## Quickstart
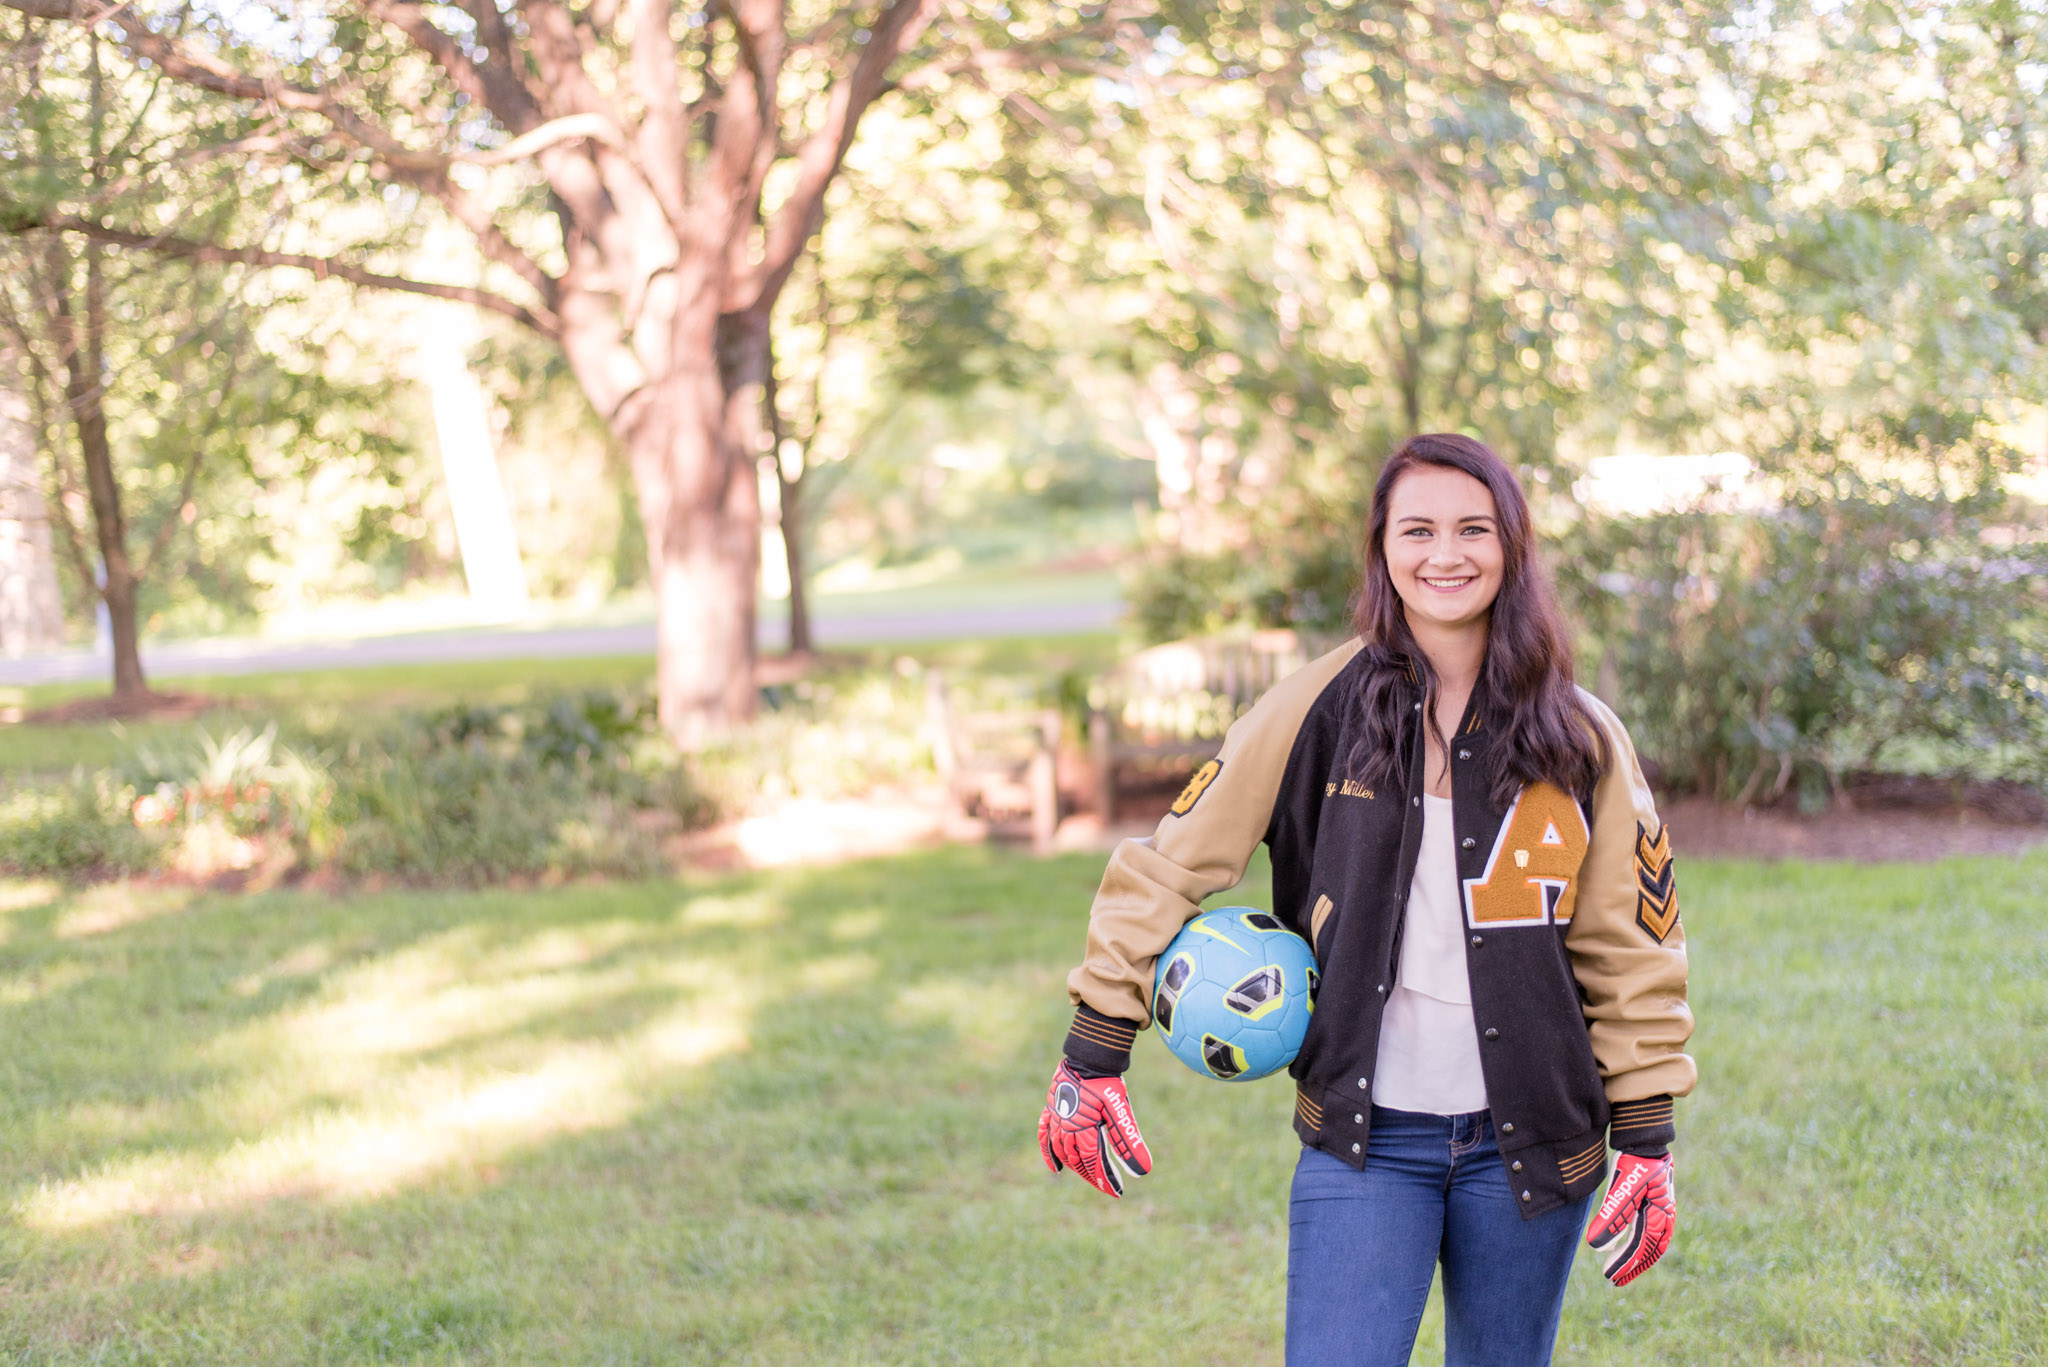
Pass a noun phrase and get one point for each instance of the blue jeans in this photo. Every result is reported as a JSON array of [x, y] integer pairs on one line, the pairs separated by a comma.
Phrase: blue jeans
[[1362, 1247]]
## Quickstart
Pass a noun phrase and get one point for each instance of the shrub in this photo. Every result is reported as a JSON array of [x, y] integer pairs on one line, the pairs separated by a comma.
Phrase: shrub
[[1857, 624], [576, 784], [1304, 578], [835, 736], [79, 827]]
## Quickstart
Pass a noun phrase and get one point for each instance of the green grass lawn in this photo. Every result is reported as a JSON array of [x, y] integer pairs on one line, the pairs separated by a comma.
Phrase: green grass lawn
[[788, 1119]]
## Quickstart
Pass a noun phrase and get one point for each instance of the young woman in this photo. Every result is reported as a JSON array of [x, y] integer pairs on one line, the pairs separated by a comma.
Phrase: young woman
[[1467, 841]]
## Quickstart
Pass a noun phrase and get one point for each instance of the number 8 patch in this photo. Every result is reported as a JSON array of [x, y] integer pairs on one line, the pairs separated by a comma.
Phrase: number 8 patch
[[1197, 785]]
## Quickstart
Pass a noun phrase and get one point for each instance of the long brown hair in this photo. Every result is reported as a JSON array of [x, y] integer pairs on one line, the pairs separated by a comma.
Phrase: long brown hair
[[1542, 729]]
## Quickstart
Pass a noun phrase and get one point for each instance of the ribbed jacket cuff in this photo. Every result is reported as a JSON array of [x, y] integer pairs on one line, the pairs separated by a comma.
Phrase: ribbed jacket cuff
[[1642, 1127], [1100, 1044]]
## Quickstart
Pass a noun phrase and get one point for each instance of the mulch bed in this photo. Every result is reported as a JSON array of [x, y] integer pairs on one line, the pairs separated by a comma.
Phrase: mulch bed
[[1865, 833], [105, 707]]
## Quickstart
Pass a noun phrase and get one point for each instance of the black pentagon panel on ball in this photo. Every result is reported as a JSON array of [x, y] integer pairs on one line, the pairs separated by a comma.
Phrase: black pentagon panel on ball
[[1258, 992], [1177, 974], [1225, 1059], [1262, 921], [1315, 985]]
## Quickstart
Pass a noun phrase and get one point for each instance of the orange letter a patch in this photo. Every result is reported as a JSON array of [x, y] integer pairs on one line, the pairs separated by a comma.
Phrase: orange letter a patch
[[1656, 891], [1197, 785]]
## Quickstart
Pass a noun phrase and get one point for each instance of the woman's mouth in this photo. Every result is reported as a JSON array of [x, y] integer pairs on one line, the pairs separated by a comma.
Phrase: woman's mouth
[[1447, 585]]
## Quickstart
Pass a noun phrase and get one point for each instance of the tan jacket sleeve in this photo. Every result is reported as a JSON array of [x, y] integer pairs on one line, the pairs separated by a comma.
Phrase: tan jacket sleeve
[[1626, 944], [1154, 886]]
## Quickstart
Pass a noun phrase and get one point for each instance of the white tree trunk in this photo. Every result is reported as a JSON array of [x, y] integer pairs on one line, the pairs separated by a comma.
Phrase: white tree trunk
[[476, 494], [31, 612]]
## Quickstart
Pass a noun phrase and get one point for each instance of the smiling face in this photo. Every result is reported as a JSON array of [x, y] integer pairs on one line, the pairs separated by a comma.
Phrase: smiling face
[[1443, 550]]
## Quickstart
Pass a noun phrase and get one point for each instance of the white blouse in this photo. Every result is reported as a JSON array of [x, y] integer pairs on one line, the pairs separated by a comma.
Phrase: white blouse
[[1429, 1046]]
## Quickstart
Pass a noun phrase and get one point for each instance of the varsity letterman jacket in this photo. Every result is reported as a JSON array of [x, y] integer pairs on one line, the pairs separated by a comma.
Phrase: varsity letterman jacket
[[1573, 946]]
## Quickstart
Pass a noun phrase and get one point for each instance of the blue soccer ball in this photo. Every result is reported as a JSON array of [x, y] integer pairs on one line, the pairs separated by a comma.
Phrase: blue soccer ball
[[1233, 992]]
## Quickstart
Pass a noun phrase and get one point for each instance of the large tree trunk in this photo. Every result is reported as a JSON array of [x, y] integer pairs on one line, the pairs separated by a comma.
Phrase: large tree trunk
[[84, 391], [692, 443], [669, 264]]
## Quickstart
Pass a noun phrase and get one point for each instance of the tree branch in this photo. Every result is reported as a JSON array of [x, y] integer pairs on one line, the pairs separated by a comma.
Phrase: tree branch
[[543, 321], [746, 129], [568, 128], [490, 238], [178, 61], [1034, 56], [664, 124], [557, 51], [494, 85], [825, 149]]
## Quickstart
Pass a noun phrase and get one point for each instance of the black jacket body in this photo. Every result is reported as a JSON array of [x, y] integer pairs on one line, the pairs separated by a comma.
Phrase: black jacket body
[[1575, 957]]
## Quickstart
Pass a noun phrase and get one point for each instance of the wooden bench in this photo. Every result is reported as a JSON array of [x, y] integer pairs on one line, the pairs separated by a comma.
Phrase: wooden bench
[[1170, 705], [997, 763]]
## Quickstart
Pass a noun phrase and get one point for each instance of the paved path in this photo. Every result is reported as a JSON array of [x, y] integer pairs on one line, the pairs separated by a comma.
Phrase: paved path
[[249, 655]]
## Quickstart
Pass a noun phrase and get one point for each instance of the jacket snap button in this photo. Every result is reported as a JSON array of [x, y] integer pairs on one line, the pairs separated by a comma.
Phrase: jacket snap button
[[1418, 707], [1464, 754], [1468, 842], [1358, 1120], [1381, 989], [1418, 802], [1354, 1148], [1508, 1128], [1515, 1166], [1525, 1196], [1492, 1033], [1363, 1084], [1478, 940]]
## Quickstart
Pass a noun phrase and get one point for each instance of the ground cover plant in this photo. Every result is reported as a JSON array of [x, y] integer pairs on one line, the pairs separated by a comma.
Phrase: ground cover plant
[[783, 1118], [561, 785], [469, 772]]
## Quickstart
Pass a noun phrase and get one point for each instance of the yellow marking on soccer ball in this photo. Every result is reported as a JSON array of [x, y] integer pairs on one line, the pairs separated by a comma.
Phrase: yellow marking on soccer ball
[[1211, 930], [1222, 1058], [1268, 977]]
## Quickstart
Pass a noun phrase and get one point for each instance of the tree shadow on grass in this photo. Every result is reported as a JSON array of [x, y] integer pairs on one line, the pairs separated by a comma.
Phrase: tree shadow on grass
[[602, 1123]]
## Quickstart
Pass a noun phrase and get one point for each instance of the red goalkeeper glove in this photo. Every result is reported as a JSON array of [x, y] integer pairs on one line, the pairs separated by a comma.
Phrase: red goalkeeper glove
[[1633, 1226], [1087, 1125]]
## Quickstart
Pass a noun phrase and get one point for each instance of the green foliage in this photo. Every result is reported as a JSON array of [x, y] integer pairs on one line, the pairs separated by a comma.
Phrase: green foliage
[[472, 794], [82, 827], [839, 735], [1302, 580], [215, 424], [1767, 652], [576, 783]]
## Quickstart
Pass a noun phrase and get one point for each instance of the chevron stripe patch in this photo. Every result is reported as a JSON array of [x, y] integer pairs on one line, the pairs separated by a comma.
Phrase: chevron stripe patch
[[1656, 891]]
